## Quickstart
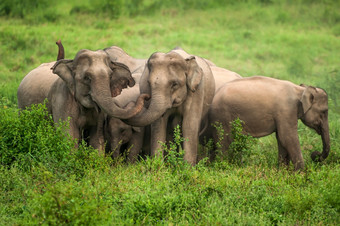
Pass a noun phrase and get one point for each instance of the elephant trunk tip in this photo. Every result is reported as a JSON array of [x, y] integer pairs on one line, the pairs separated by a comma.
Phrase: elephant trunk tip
[[61, 52], [318, 157], [139, 104]]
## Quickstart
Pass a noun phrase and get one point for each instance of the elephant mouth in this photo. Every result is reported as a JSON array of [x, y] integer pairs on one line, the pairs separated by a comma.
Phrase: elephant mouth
[[117, 86]]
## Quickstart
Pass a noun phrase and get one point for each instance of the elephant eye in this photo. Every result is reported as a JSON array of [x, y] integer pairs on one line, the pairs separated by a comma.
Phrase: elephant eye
[[174, 85], [87, 77]]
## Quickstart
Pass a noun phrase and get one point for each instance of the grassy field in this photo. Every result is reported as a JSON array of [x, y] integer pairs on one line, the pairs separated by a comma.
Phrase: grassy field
[[42, 183]]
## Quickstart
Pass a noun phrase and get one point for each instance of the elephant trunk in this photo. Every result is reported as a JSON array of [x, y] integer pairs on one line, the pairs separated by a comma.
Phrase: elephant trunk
[[115, 147], [102, 96], [61, 52], [158, 106], [316, 155]]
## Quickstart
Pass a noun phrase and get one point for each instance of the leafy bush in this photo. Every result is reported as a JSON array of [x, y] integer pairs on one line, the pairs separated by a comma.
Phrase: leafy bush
[[29, 138], [174, 152], [240, 145], [19, 8]]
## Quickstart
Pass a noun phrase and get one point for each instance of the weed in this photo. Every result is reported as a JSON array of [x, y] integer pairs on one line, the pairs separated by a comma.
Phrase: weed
[[241, 143], [174, 152]]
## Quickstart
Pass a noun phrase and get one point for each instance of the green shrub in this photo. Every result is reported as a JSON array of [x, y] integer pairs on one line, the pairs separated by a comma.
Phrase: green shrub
[[174, 152], [29, 139], [19, 8], [240, 145]]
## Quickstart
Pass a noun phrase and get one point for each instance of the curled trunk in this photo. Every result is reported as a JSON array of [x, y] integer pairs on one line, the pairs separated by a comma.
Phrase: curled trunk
[[158, 106], [61, 52], [316, 155], [102, 96]]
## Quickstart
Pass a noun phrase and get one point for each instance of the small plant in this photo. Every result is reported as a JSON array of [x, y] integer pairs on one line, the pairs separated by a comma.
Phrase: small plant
[[218, 153], [241, 142], [175, 153], [239, 146]]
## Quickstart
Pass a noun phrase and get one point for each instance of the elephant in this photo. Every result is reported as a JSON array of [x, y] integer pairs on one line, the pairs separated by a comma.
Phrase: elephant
[[136, 66], [221, 75], [268, 105], [35, 86], [84, 93], [180, 85], [119, 135]]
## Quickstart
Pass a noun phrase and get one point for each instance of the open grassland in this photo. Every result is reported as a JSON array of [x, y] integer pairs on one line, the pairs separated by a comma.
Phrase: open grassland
[[45, 184]]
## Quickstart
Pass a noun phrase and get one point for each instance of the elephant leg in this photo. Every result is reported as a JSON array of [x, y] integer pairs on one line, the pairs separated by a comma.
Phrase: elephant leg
[[74, 132], [191, 126], [158, 134], [283, 153], [96, 140], [115, 147], [136, 143], [221, 141], [289, 140]]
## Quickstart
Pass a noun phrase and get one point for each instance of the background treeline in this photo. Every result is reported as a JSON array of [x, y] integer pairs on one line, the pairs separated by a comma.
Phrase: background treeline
[[46, 10]]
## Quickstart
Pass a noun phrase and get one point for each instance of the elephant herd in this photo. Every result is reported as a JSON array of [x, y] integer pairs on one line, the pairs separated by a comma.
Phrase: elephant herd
[[115, 101]]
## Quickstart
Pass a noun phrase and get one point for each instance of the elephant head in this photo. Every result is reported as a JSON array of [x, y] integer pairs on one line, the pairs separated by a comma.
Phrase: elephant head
[[119, 55], [315, 115], [169, 79], [118, 133], [93, 79]]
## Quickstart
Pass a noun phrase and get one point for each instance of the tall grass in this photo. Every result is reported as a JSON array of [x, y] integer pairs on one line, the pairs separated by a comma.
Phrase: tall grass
[[293, 40]]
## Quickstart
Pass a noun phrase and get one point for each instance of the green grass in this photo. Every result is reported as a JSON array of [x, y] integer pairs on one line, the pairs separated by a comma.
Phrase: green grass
[[292, 40]]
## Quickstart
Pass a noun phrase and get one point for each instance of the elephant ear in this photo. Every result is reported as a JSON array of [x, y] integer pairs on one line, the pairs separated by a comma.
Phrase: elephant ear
[[194, 73], [307, 98], [63, 68]]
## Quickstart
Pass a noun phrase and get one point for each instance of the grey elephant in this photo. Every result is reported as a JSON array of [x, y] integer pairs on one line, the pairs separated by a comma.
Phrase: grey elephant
[[84, 93], [268, 105], [121, 136], [221, 75], [180, 85], [119, 55], [35, 86]]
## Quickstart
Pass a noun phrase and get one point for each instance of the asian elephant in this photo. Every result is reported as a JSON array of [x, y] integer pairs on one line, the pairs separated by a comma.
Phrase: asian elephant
[[135, 65], [180, 85], [268, 105], [35, 86], [221, 75], [119, 135], [84, 93]]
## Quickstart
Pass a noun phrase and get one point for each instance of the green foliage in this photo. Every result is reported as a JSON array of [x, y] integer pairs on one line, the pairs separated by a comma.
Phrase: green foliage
[[21, 8], [174, 152], [239, 147], [28, 137], [32, 10], [241, 143]]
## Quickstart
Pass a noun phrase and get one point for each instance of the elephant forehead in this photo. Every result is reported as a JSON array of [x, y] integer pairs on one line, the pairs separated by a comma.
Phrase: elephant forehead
[[90, 57], [159, 59]]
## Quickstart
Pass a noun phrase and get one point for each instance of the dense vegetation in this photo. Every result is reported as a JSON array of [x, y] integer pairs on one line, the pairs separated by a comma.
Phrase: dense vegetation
[[45, 180]]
